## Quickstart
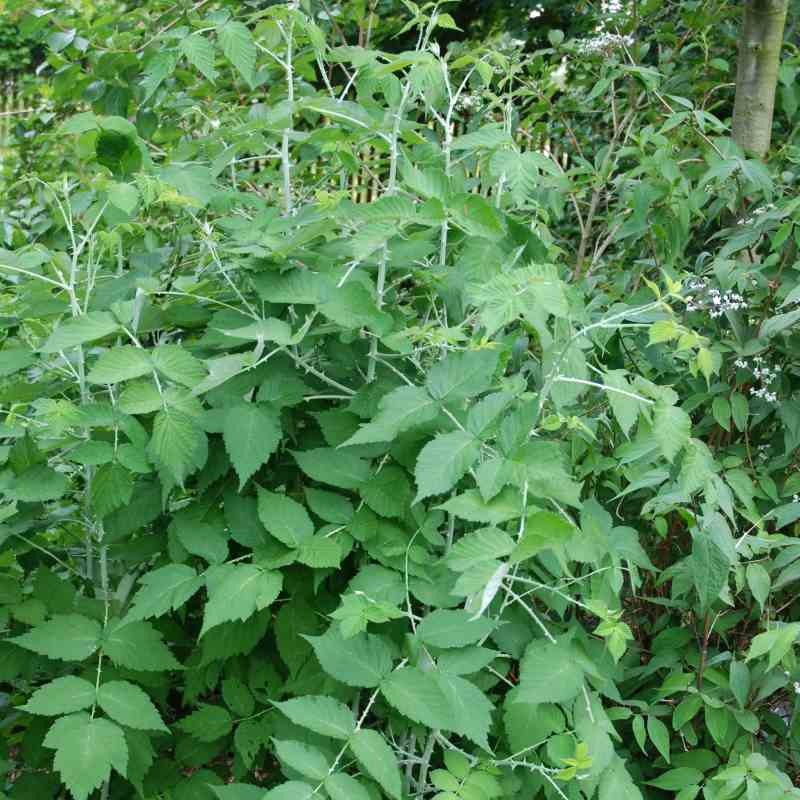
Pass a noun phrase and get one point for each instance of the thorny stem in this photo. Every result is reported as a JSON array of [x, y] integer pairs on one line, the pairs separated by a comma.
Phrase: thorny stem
[[286, 163], [390, 190]]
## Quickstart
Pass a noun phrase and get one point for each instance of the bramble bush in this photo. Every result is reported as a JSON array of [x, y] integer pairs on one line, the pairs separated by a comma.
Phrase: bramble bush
[[482, 484]]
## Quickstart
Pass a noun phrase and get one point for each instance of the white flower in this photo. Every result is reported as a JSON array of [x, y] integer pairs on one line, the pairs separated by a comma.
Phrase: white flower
[[536, 12]]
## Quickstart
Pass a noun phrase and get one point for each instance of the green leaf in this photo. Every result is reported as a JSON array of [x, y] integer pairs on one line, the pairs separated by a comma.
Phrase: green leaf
[[124, 196], [759, 582], [112, 488], [208, 723], [542, 530], [462, 375], [284, 518], [138, 646], [671, 429], [777, 642], [178, 365], [252, 434], [164, 590], [543, 465], [341, 786], [40, 484], [617, 784], [158, 68], [86, 750], [320, 552], [659, 736], [686, 710], [676, 779], [378, 760], [302, 758], [323, 715], [478, 547], [69, 637], [291, 790], [238, 791], [398, 411], [549, 673], [199, 52], [121, 364], [626, 409], [241, 590], [449, 628], [334, 467], [80, 330], [61, 696], [710, 569], [363, 660], [239, 48], [470, 709], [443, 462], [740, 682], [418, 696], [129, 705], [178, 445]]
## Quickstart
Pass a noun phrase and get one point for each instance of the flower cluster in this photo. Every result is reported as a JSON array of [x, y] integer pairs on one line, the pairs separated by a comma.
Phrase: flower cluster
[[756, 213], [712, 300], [764, 374], [605, 41], [536, 12]]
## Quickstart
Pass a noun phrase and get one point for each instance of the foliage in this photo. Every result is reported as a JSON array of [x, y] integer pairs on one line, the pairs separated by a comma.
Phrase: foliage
[[479, 484]]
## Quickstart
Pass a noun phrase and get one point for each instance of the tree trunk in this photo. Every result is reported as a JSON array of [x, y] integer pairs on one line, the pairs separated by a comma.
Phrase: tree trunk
[[757, 74]]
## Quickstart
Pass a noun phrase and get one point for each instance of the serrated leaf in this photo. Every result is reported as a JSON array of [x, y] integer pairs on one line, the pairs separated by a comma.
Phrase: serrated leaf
[[549, 673], [178, 444], [418, 696], [362, 660], [378, 759], [341, 786], [129, 705], [69, 637], [251, 433], [87, 328], [302, 758], [710, 569], [163, 590], [121, 364], [208, 723], [334, 467], [291, 790], [242, 591], [239, 48], [323, 715], [469, 707], [61, 696], [200, 52], [112, 488], [40, 484], [443, 462], [284, 518], [138, 646], [398, 411], [178, 365], [86, 750], [447, 628], [320, 552], [671, 429], [462, 375]]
